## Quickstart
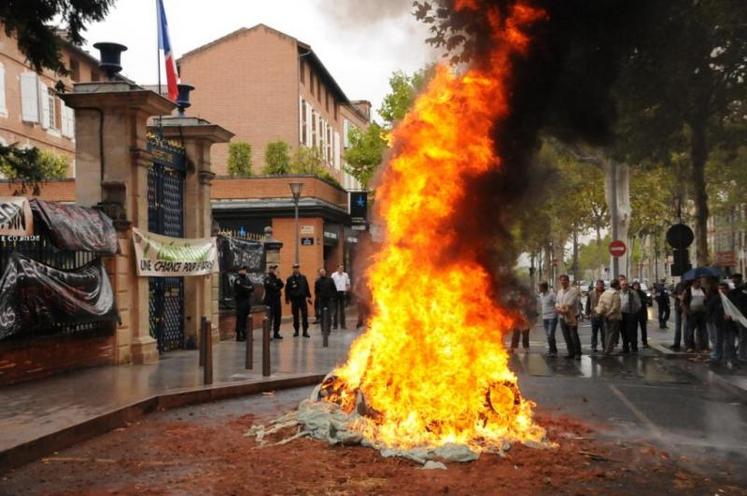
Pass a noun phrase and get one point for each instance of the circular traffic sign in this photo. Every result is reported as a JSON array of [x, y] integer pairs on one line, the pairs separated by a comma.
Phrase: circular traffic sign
[[680, 236], [617, 248]]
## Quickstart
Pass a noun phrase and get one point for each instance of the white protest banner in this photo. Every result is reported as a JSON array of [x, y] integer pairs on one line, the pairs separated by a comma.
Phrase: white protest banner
[[164, 256], [15, 216]]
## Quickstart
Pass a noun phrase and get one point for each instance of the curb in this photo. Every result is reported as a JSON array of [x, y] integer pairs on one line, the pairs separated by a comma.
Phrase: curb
[[33, 450]]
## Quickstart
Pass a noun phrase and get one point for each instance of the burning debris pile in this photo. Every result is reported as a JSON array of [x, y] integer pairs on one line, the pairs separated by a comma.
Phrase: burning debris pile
[[430, 377], [324, 417]]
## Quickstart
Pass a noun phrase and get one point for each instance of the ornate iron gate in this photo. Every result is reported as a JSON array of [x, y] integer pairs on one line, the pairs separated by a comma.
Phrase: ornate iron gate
[[166, 216]]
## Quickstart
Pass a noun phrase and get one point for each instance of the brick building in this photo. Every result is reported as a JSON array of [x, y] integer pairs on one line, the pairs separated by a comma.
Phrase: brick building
[[31, 112], [267, 86]]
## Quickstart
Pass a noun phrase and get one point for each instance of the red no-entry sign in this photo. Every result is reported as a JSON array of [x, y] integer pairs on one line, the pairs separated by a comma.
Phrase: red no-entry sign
[[617, 248]]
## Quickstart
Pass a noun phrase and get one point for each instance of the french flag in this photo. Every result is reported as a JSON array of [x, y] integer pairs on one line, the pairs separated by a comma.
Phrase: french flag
[[165, 45]]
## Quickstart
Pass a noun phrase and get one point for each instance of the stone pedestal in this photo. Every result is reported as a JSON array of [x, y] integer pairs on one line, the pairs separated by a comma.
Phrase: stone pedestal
[[112, 173], [196, 136]]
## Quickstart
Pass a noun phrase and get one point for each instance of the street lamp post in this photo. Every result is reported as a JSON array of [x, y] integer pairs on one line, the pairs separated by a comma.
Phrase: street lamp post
[[296, 192]]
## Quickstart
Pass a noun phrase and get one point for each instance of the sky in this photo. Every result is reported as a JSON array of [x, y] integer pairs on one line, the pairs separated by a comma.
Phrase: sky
[[361, 42]]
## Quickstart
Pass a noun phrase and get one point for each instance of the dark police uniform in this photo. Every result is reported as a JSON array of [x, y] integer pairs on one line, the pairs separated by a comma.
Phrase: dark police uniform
[[242, 292], [296, 292], [273, 287], [324, 292]]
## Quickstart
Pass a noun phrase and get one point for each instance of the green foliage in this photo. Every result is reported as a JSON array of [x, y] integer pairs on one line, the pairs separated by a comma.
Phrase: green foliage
[[365, 153], [309, 161], [403, 90], [277, 159], [240, 159], [30, 167], [652, 193], [593, 255], [35, 22]]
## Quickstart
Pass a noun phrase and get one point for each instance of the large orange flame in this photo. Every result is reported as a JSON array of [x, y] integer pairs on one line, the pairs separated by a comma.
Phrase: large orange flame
[[432, 366]]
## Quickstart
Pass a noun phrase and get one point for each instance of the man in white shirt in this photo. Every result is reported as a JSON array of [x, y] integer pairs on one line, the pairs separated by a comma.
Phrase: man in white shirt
[[342, 285], [549, 316], [567, 309]]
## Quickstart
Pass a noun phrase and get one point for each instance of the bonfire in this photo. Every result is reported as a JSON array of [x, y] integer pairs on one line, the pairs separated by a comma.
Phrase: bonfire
[[430, 378]]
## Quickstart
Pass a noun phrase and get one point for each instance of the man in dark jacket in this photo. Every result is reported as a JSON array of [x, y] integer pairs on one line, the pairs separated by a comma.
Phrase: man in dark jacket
[[242, 293], [324, 293], [273, 286], [297, 293], [662, 303]]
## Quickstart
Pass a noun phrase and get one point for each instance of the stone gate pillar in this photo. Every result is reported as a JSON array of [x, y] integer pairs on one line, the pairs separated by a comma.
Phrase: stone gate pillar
[[112, 173], [196, 136]]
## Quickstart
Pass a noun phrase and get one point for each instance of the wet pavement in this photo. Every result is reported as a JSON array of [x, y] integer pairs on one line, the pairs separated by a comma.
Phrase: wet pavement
[[683, 406], [34, 409]]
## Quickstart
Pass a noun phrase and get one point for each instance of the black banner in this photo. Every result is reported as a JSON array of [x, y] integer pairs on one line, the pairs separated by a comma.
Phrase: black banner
[[236, 253], [77, 228], [35, 298]]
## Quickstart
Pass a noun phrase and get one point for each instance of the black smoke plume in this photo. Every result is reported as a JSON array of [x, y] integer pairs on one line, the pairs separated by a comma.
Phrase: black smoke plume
[[562, 87]]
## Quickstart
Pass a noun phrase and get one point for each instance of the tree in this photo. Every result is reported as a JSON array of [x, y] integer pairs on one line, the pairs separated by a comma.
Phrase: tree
[[277, 159], [683, 86], [31, 167], [35, 24], [403, 89], [240, 159], [365, 153]]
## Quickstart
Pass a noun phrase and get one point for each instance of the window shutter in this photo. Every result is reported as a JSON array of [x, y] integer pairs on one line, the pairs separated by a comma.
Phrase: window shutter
[[336, 150], [308, 124], [71, 122], [66, 120], [300, 115], [29, 97], [3, 108], [43, 105]]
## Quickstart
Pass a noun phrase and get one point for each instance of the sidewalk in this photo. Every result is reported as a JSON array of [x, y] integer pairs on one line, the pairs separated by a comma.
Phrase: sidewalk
[[41, 408]]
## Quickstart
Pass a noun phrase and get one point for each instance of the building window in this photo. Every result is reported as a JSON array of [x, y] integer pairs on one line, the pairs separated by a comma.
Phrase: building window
[[319, 89], [334, 104], [311, 82], [303, 71], [302, 119], [313, 128], [326, 101], [52, 122], [345, 133], [329, 145], [74, 70]]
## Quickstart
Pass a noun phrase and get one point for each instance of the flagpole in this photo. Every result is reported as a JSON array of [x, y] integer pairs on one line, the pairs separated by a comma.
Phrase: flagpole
[[158, 58]]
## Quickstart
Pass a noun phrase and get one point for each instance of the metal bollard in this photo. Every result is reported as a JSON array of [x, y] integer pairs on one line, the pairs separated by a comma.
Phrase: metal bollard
[[266, 347], [201, 346], [325, 327], [208, 370], [249, 357]]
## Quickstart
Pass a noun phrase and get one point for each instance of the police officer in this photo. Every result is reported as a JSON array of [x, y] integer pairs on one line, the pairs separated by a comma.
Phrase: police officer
[[324, 292], [273, 287], [242, 292], [297, 293]]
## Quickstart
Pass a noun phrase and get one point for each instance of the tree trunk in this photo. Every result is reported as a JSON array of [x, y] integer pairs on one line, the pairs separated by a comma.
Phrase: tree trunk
[[575, 255], [617, 194], [698, 158]]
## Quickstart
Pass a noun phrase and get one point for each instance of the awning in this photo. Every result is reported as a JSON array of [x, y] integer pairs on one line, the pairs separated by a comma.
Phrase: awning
[[77, 228]]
